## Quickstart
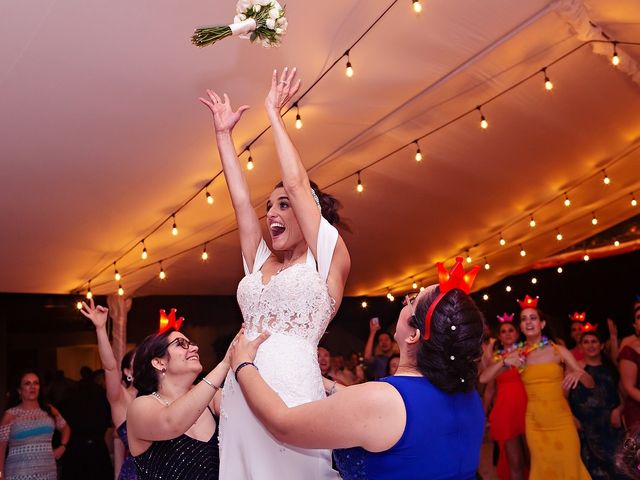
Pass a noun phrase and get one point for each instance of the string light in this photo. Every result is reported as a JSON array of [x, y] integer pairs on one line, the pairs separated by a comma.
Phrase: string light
[[210, 199], [390, 296], [469, 260], [144, 255], [616, 243], [298, 118], [89, 294], [558, 235], [414, 285], [559, 270], [485, 297], [534, 280], [502, 241], [508, 288], [79, 305], [483, 121], [594, 220], [421, 288], [532, 222], [205, 255], [250, 164], [634, 202], [523, 252], [615, 59], [487, 266], [349, 70], [586, 257], [548, 85], [116, 274], [418, 155], [417, 6], [120, 290], [606, 180], [162, 275], [364, 304], [567, 202], [359, 186], [174, 228]]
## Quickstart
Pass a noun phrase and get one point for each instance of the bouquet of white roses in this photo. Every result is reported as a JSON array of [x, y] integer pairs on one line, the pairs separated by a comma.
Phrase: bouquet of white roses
[[261, 20]]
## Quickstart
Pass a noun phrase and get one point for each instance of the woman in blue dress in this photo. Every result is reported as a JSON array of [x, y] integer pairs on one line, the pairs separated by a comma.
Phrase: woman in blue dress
[[425, 422]]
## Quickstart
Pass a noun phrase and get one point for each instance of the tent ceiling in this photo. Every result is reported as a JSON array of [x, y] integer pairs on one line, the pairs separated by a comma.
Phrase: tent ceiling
[[102, 136]]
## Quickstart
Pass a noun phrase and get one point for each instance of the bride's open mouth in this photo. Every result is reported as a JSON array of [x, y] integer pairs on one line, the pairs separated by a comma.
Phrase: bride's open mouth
[[276, 229]]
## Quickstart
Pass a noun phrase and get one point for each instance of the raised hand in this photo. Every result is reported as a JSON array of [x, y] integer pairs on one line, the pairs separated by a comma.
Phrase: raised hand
[[224, 118], [282, 90], [98, 315]]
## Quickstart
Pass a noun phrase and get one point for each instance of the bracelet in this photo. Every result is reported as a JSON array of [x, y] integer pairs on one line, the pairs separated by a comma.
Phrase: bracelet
[[204, 379], [241, 366]]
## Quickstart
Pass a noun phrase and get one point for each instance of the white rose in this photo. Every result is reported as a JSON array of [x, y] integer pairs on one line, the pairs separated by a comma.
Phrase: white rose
[[279, 31], [242, 6], [274, 13], [256, 8], [277, 5], [271, 23], [264, 3]]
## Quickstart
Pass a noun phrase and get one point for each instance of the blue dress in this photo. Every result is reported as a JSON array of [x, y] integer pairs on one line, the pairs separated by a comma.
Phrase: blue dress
[[441, 439], [128, 469]]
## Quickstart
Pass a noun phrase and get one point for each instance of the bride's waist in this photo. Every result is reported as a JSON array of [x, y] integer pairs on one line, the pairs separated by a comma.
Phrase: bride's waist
[[280, 341]]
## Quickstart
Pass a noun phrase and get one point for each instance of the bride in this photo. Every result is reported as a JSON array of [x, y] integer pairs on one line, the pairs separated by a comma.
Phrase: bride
[[293, 295]]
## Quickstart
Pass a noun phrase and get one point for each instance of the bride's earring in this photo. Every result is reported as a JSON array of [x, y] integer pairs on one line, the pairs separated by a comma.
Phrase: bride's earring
[[129, 378]]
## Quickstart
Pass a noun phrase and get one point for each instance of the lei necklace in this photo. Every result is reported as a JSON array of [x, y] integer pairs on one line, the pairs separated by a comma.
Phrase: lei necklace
[[522, 348], [501, 353]]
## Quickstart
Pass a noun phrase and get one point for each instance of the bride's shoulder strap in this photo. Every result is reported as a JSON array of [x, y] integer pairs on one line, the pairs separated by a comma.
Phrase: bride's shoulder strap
[[327, 240], [262, 254]]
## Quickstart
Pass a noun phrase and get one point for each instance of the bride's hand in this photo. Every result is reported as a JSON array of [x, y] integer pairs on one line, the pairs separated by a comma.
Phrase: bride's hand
[[224, 118], [282, 90], [244, 350]]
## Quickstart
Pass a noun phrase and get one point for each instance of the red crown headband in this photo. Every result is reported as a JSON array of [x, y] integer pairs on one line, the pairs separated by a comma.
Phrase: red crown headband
[[454, 278], [167, 322], [528, 302], [588, 327], [506, 317], [578, 317]]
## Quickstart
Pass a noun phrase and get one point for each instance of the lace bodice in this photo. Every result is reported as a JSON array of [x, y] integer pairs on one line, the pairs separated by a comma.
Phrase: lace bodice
[[295, 301]]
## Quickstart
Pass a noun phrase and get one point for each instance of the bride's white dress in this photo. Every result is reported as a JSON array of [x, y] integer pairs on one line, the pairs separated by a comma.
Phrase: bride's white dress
[[295, 306]]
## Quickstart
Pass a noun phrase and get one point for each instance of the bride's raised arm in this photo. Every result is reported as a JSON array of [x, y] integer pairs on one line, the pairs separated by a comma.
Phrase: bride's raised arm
[[296, 181], [224, 120]]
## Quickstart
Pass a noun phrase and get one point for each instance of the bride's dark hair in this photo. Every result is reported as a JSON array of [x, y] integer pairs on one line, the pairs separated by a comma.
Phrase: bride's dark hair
[[329, 206]]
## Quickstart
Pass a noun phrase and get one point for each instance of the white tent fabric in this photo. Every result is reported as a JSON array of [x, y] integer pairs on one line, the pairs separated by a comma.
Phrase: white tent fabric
[[102, 136]]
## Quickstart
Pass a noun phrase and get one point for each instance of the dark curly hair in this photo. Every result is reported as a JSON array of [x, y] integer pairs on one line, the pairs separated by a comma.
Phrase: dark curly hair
[[126, 363], [449, 359], [145, 375], [329, 205], [14, 397]]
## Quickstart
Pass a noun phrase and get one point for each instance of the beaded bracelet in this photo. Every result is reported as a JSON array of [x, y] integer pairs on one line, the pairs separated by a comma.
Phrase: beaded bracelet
[[242, 365]]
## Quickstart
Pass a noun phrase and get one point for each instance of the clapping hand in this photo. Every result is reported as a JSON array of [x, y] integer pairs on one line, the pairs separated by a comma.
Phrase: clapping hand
[[98, 315], [224, 118]]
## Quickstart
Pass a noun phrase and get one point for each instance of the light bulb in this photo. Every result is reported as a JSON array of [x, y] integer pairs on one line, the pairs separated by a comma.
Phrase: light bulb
[[174, 228], [422, 289], [349, 71], [144, 255], [298, 121], [79, 305], [559, 270], [523, 252], [567, 202], [502, 241], [616, 243], [606, 180], [89, 294], [417, 6], [414, 285], [469, 260], [615, 59], [205, 255], [120, 290], [534, 280], [250, 163], [487, 266], [548, 85], [364, 304], [586, 257], [391, 298], [162, 275], [594, 220], [558, 236], [508, 288], [418, 156], [634, 202], [485, 297], [117, 276], [532, 222], [359, 186], [209, 198]]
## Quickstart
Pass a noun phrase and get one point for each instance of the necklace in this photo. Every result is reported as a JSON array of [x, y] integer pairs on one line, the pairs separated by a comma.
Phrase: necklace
[[284, 267], [501, 353], [162, 400], [544, 342]]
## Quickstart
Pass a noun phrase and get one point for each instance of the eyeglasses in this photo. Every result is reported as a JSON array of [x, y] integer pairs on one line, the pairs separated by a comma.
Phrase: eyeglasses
[[182, 343]]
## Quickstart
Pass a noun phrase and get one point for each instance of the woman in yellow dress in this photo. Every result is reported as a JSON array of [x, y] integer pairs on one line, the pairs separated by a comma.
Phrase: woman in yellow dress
[[550, 430]]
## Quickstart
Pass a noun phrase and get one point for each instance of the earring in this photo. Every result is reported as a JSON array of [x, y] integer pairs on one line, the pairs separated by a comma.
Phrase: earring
[[164, 370], [129, 378]]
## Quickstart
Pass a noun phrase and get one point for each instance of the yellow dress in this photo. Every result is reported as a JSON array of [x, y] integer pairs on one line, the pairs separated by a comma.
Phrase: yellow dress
[[551, 434]]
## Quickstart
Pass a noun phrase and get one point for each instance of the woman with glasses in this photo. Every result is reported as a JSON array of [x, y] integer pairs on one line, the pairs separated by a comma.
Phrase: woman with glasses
[[118, 383], [425, 422], [292, 290], [173, 433], [505, 388]]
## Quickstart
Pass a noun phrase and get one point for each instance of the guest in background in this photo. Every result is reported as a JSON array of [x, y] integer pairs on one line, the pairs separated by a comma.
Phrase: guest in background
[[324, 362], [577, 324], [27, 429], [376, 358], [628, 362], [392, 365], [598, 410], [118, 384], [505, 387], [354, 364]]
